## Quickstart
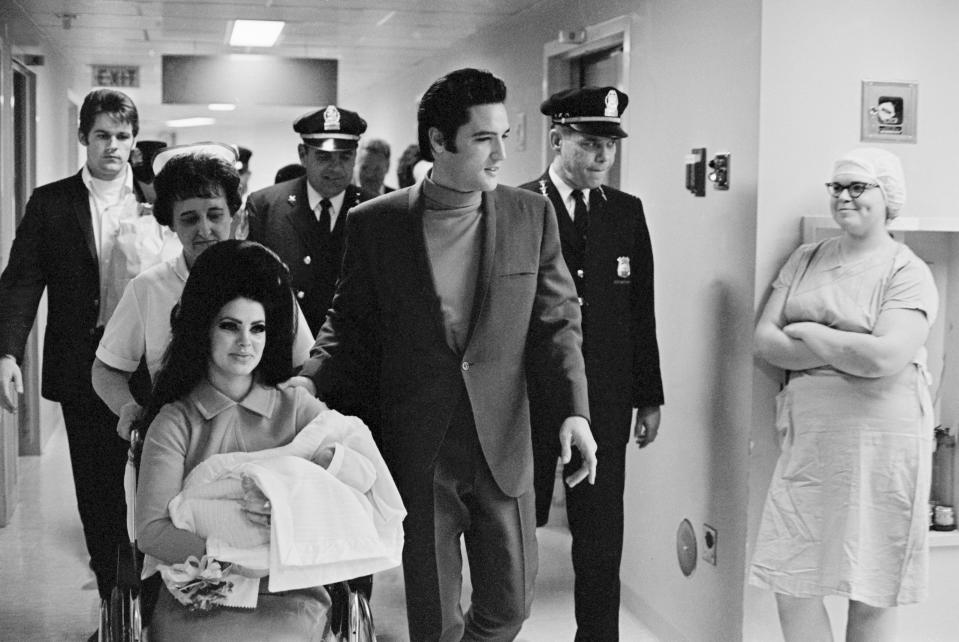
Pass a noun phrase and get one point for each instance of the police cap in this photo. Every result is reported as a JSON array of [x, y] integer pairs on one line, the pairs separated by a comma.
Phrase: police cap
[[590, 110], [330, 128]]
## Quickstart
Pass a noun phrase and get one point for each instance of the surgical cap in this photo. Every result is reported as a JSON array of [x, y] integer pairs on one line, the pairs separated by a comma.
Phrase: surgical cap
[[874, 165]]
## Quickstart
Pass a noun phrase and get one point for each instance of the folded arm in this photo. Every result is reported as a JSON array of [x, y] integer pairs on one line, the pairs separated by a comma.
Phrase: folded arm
[[777, 347], [897, 336]]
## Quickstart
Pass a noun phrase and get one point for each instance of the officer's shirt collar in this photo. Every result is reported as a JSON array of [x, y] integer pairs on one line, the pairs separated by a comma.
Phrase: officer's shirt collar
[[315, 197], [566, 192]]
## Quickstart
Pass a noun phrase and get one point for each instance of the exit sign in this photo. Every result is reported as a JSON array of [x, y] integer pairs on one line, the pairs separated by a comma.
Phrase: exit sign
[[116, 76]]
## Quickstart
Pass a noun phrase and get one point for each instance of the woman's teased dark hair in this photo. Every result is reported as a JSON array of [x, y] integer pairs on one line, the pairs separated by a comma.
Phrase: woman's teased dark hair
[[227, 271], [194, 176]]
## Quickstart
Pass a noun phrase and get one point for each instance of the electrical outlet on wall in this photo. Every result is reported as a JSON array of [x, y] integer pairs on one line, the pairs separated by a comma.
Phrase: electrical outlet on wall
[[709, 544]]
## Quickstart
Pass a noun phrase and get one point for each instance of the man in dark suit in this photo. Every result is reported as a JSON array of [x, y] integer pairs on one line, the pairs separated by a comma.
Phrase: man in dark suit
[[606, 246], [446, 285], [63, 245], [372, 164], [302, 220]]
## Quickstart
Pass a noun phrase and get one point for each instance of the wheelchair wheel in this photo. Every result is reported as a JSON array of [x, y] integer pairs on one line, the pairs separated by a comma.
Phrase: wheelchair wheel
[[103, 632], [350, 618], [124, 616]]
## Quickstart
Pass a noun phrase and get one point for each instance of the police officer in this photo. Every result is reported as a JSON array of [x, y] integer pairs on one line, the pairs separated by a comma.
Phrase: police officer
[[607, 249], [303, 219]]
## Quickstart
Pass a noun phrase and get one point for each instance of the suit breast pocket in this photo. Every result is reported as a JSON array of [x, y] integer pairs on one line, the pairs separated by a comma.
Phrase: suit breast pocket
[[518, 274], [518, 265], [516, 287]]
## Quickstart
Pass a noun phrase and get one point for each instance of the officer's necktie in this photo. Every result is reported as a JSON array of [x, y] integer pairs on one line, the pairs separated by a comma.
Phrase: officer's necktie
[[325, 217], [580, 214]]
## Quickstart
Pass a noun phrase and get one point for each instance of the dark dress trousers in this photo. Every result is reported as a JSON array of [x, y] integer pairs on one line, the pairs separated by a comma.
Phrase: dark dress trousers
[[281, 219], [54, 250], [613, 272], [453, 418]]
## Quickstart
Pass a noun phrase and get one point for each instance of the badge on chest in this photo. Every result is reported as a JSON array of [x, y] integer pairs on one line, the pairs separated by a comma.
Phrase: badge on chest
[[622, 267]]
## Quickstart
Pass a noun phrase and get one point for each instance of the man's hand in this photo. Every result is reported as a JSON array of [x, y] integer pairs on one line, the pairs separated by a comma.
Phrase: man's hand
[[128, 413], [10, 374], [646, 425], [575, 432], [301, 382]]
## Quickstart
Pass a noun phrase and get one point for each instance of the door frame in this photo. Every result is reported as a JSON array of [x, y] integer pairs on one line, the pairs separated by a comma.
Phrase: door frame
[[24, 150]]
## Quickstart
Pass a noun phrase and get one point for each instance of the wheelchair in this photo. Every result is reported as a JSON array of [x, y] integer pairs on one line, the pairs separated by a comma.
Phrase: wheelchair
[[122, 619]]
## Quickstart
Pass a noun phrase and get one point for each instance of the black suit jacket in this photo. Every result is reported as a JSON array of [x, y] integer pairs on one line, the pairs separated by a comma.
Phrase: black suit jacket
[[54, 249], [281, 219], [386, 323], [613, 273]]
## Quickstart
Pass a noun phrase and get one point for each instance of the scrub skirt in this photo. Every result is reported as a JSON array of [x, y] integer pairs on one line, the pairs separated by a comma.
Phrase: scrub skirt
[[847, 508]]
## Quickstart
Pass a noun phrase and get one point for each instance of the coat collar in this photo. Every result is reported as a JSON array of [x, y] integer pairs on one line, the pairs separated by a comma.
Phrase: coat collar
[[487, 258], [210, 402], [298, 209], [80, 202], [567, 229]]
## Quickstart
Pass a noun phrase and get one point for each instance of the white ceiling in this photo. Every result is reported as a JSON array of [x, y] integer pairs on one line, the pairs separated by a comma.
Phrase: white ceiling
[[371, 39]]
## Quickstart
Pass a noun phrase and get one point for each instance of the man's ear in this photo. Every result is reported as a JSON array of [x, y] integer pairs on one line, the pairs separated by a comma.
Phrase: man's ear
[[302, 152], [437, 140], [82, 137], [555, 139]]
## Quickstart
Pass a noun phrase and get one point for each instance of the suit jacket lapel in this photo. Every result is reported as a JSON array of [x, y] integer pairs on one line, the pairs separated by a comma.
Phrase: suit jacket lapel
[[421, 278], [299, 214], [567, 229], [80, 201], [487, 259], [351, 198]]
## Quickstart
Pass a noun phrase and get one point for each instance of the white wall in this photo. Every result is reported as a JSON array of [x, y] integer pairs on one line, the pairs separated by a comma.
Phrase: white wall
[[694, 82], [814, 56]]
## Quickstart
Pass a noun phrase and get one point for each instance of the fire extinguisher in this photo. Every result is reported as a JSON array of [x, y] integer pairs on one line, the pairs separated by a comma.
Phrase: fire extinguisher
[[943, 475]]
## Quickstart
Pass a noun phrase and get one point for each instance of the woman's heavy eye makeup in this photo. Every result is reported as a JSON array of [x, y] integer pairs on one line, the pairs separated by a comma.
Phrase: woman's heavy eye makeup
[[228, 324], [231, 325]]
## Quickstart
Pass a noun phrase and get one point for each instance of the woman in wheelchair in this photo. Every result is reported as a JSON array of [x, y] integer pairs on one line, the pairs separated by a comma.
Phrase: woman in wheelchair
[[252, 496]]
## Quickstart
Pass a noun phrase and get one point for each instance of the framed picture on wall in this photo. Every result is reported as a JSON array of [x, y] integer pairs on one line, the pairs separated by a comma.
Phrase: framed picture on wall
[[889, 111]]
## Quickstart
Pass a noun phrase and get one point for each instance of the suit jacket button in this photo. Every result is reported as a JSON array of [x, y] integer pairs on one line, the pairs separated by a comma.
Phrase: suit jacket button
[[466, 366], [580, 273], [300, 294], [96, 303], [307, 260], [93, 331]]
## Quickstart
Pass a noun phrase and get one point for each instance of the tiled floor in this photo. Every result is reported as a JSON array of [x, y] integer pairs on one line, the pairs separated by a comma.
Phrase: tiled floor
[[47, 592]]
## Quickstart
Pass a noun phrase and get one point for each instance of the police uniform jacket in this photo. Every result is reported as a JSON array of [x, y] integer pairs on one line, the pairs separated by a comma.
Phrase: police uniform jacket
[[281, 219], [613, 273], [54, 248]]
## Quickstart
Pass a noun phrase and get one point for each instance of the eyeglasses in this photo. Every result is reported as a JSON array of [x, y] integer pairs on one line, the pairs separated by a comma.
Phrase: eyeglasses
[[855, 189]]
